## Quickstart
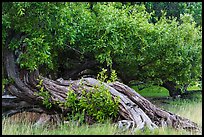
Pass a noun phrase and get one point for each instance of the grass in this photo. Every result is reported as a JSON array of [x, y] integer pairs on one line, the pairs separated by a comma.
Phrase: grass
[[23, 128], [190, 108], [153, 91], [157, 91]]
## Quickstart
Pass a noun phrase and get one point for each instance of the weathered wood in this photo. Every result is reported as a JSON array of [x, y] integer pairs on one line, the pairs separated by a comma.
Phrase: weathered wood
[[157, 115]]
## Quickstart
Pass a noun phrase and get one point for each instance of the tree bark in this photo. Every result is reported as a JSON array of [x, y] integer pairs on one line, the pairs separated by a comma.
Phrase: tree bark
[[171, 87]]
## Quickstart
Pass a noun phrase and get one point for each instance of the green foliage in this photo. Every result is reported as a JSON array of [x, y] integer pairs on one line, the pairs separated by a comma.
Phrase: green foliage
[[195, 9], [110, 33], [44, 94], [6, 81], [35, 56], [33, 19], [97, 103], [195, 86], [163, 51], [113, 76], [176, 9], [102, 76]]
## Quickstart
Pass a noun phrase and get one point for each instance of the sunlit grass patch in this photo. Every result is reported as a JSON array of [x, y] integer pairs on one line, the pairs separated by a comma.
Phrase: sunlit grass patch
[[153, 91], [157, 91]]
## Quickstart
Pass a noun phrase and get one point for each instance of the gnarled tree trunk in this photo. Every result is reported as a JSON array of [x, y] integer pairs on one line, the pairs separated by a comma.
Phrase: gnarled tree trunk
[[171, 87], [132, 106]]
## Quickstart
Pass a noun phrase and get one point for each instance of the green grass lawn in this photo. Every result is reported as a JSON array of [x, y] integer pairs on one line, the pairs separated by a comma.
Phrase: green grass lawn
[[153, 91], [157, 91]]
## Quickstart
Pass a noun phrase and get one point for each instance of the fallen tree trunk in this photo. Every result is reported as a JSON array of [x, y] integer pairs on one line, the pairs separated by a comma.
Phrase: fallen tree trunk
[[133, 108], [12, 105]]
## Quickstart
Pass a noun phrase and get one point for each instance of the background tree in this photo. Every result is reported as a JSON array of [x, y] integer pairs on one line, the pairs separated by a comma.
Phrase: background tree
[[175, 9]]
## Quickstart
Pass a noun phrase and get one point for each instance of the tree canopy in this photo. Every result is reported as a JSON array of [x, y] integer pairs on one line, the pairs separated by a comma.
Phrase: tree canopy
[[111, 34]]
